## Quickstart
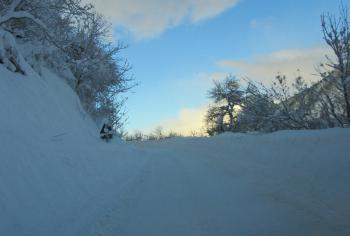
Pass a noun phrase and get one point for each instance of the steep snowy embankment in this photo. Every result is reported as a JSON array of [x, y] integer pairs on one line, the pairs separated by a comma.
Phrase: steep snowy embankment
[[55, 173], [58, 178]]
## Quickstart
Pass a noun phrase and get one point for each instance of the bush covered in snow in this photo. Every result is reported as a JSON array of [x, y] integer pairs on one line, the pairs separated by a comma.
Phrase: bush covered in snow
[[72, 40]]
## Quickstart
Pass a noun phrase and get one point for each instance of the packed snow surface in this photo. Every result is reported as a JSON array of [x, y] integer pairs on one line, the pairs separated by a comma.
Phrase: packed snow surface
[[58, 178]]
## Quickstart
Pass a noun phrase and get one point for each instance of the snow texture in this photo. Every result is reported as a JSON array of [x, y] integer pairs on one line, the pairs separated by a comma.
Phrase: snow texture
[[57, 177]]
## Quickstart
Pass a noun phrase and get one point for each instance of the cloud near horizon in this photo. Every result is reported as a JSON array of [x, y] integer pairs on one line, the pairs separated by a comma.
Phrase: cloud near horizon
[[187, 122], [147, 19]]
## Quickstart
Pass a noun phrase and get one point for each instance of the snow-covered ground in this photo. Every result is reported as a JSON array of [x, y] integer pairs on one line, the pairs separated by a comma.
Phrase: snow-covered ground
[[58, 178]]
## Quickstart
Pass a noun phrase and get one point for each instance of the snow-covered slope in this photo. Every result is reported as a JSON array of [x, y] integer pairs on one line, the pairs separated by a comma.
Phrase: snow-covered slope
[[58, 178], [55, 172]]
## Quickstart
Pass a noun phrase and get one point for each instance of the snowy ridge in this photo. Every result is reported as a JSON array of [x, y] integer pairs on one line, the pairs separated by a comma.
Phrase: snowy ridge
[[58, 178]]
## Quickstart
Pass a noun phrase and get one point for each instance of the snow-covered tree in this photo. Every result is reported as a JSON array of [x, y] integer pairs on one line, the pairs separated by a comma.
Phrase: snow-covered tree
[[258, 109], [227, 97], [99, 74], [66, 35], [282, 106]]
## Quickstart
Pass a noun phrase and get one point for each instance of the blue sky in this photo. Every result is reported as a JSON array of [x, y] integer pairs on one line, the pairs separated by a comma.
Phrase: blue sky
[[177, 47]]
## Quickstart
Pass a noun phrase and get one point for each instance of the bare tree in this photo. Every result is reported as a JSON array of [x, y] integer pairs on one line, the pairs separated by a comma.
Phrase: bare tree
[[336, 32]]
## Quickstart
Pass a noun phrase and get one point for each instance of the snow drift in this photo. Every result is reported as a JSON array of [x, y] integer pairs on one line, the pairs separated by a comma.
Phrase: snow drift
[[58, 178]]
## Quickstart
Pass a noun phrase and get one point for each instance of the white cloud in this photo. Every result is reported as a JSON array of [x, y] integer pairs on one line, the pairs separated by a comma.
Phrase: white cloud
[[149, 18], [187, 121], [264, 68]]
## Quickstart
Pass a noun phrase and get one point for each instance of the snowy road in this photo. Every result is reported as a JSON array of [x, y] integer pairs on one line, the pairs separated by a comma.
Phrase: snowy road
[[198, 189]]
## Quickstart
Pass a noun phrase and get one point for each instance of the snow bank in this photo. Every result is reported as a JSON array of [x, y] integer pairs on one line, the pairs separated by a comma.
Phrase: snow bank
[[54, 171], [58, 178]]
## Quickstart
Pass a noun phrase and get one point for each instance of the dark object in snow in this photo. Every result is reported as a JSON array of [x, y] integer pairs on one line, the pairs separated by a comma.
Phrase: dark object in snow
[[106, 132]]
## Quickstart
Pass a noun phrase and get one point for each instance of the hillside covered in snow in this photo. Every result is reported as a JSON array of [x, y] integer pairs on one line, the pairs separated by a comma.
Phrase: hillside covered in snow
[[58, 178]]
